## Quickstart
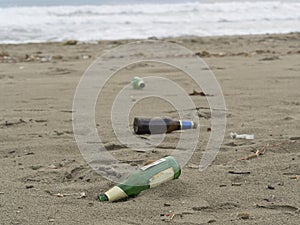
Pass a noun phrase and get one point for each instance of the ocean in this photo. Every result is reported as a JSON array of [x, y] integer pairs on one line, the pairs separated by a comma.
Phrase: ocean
[[23, 21]]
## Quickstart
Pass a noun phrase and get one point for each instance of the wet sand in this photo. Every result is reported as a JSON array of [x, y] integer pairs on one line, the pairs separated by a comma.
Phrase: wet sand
[[43, 173]]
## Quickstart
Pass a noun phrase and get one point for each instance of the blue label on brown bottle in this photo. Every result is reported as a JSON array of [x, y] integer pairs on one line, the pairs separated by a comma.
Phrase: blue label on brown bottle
[[186, 124]]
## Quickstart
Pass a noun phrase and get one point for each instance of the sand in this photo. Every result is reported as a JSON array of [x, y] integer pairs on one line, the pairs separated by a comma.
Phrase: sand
[[43, 173]]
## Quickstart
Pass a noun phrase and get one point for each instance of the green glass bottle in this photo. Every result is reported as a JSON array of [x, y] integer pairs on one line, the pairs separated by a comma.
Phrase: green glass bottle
[[138, 83], [146, 177]]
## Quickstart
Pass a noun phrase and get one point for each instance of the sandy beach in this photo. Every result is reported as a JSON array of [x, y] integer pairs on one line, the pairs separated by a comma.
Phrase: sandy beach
[[45, 180]]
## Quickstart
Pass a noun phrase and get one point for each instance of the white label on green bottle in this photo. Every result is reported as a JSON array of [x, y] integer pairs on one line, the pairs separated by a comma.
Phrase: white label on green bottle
[[161, 177], [115, 194], [153, 164]]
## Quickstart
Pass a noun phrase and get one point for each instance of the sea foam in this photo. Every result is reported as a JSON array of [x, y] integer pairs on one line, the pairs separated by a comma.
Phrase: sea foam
[[88, 23]]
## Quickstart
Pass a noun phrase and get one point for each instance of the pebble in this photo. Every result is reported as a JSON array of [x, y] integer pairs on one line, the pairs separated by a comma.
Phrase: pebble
[[295, 138], [36, 167], [244, 215], [91, 204], [236, 184]]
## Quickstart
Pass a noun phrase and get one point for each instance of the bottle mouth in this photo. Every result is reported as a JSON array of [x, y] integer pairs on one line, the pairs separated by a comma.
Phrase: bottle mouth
[[135, 125], [141, 126], [195, 125], [103, 197], [141, 84]]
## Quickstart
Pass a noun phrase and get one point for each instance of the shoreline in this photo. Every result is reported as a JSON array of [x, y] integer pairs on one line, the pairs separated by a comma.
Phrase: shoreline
[[156, 38]]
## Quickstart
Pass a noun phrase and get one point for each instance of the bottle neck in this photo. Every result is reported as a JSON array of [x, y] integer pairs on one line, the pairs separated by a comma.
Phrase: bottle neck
[[173, 125]]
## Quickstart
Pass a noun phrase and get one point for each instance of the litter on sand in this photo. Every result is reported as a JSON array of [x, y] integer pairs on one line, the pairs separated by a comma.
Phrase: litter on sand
[[241, 136]]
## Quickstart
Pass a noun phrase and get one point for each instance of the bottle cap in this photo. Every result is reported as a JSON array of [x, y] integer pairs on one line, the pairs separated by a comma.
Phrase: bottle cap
[[103, 198]]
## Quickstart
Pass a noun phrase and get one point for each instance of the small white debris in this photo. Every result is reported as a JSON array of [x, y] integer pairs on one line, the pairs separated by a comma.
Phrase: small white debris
[[82, 195], [133, 98], [60, 195], [46, 59], [242, 136], [52, 166], [86, 57]]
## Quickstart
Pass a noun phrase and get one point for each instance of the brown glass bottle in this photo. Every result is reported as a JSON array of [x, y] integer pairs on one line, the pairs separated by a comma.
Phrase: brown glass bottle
[[160, 125]]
